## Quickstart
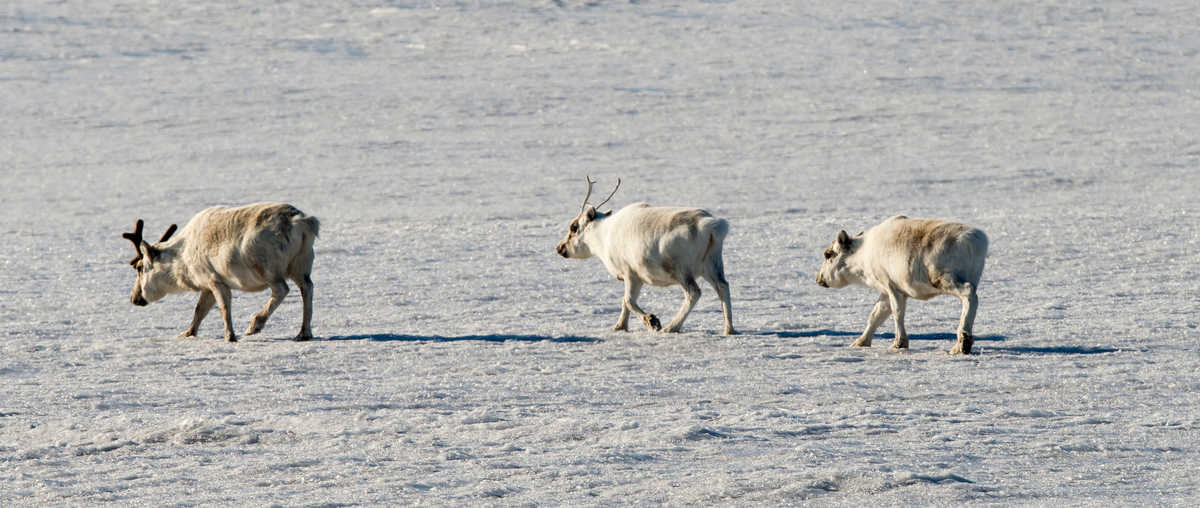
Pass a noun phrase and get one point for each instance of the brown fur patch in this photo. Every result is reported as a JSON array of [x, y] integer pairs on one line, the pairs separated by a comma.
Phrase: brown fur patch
[[669, 267], [926, 234], [689, 218]]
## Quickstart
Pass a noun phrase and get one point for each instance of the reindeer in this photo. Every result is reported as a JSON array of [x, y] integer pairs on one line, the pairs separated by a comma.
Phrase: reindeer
[[249, 248], [660, 246], [910, 258]]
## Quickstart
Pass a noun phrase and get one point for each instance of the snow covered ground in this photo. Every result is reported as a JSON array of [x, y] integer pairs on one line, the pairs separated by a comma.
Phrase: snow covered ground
[[461, 361]]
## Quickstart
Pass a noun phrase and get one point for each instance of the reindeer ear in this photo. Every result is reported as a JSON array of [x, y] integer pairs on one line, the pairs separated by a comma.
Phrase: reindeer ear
[[591, 214], [844, 239]]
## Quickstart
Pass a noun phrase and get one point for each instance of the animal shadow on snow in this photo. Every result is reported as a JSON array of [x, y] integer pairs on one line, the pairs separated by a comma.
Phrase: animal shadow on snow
[[950, 337], [1054, 350], [393, 337]]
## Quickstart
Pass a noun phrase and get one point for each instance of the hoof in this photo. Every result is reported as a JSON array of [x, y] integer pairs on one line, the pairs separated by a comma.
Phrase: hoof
[[861, 343], [303, 338], [185, 334], [652, 322], [963, 347], [231, 338], [900, 345], [730, 331], [255, 327], [622, 327]]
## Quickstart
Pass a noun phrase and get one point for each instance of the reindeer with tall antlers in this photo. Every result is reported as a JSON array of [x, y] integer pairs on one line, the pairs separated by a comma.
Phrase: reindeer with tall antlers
[[249, 248], [661, 246]]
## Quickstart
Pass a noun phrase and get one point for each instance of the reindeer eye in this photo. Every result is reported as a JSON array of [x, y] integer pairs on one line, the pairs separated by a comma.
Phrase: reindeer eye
[[574, 227], [829, 253]]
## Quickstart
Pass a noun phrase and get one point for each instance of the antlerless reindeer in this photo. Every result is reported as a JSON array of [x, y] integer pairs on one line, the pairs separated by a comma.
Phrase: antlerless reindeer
[[249, 248], [660, 246], [910, 258]]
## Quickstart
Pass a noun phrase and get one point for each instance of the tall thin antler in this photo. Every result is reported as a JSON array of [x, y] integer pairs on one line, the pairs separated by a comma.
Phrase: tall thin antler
[[589, 193], [610, 195]]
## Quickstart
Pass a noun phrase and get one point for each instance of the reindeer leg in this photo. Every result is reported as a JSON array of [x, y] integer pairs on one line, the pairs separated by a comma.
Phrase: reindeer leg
[[881, 311], [633, 286], [623, 319], [722, 287], [897, 300], [970, 304], [279, 291], [207, 300], [306, 292], [224, 300], [691, 293]]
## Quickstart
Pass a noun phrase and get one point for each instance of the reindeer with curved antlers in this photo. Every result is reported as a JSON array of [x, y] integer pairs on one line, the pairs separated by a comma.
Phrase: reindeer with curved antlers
[[660, 246], [249, 248]]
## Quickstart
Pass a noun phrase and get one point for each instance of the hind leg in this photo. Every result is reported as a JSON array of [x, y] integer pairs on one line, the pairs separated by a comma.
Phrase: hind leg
[[279, 291], [691, 293], [970, 304], [722, 288], [305, 284]]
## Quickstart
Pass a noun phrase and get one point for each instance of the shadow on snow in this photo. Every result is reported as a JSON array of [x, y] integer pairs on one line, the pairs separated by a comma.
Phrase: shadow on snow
[[393, 337], [1013, 350], [887, 336], [1054, 350]]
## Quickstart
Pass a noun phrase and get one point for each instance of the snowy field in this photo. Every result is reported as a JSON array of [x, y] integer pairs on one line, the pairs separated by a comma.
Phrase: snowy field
[[460, 361]]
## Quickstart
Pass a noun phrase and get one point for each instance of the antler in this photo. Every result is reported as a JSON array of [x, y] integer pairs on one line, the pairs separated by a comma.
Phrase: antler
[[610, 195], [589, 193], [135, 236], [165, 236]]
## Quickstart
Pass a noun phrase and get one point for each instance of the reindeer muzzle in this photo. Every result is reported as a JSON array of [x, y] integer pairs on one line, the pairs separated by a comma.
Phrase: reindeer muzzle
[[139, 301]]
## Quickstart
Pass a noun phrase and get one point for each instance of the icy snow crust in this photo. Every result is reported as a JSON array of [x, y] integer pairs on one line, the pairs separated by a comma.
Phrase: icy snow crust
[[461, 361]]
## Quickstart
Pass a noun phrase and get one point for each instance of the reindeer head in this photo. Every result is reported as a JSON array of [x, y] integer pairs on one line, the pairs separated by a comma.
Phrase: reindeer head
[[835, 272], [154, 278], [573, 245]]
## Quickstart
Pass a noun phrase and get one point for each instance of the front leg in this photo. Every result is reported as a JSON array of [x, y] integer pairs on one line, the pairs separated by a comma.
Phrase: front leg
[[633, 286], [623, 319], [897, 300], [881, 311], [207, 300], [224, 300]]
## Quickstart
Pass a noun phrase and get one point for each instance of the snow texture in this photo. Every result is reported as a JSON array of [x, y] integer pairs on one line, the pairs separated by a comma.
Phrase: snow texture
[[460, 361]]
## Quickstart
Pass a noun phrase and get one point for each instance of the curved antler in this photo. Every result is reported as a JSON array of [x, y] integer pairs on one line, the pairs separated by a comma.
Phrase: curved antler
[[589, 193], [610, 195]]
